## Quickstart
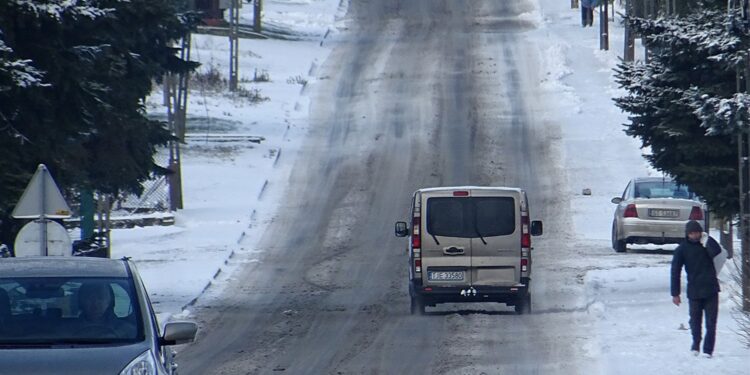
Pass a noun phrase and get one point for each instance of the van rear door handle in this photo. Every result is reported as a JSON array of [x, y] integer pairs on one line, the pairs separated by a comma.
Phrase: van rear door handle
[[453, 250]]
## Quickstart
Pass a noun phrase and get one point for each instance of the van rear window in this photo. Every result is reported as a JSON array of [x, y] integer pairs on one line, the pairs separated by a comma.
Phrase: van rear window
[[471, 217]]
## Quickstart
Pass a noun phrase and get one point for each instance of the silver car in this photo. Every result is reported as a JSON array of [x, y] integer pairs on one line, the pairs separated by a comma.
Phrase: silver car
[[77, 315], [654, 210]]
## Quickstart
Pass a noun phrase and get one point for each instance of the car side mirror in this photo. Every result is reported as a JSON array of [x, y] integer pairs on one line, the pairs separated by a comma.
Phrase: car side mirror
[[616, 200], [401, 229], [176, 333], [536, 228]]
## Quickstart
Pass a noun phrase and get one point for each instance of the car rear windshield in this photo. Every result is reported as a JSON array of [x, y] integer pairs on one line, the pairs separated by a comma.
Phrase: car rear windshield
[[68, 310], [471, 217], [662, 189]]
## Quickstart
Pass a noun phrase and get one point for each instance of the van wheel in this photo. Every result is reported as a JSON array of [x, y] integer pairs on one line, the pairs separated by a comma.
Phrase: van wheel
[[417, 306], [619, 245], [523, 305]]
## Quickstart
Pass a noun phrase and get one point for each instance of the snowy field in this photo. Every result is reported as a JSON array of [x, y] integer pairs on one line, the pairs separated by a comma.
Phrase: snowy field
[[232, 190]]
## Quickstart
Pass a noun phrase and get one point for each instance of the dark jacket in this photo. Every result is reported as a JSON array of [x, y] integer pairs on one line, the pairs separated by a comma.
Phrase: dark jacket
[[699, 266]]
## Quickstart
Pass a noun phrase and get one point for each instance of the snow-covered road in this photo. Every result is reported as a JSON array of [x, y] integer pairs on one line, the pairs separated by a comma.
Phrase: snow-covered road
[[412, 94]]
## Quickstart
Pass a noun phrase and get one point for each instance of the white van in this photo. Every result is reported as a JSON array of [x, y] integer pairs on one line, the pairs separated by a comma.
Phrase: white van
[[469, 244]]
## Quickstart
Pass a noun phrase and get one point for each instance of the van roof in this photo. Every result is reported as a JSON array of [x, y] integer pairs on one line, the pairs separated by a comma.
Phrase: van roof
[[454, 188]]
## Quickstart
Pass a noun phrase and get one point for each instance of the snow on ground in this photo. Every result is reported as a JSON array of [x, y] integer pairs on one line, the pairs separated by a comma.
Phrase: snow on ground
[[598, 154], [296, 19], [638, 329], [231, 190]]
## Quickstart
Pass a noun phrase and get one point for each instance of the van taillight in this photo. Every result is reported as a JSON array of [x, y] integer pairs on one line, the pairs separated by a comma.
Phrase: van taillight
[[524, 265], [630, 211], [461, 193], [696, 213], [416, 243], [525, 235], [416, 236]]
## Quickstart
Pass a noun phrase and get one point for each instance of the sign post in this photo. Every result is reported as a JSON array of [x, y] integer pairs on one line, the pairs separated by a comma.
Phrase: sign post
[[41, 200]]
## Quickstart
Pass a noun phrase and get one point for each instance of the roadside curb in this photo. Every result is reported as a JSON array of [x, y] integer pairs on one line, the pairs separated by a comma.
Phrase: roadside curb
[[209, 283], [278, 155], [262, 190]]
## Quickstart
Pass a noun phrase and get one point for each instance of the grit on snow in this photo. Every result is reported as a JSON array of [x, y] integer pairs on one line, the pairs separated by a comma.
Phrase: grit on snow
[[231, 189]]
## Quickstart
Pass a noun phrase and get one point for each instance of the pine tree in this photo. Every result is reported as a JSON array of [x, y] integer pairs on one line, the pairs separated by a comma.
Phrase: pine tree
[[683, 103], [73, 78]]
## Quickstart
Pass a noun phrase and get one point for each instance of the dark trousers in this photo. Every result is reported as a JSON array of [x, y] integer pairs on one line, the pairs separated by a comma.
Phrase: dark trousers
[[587, 16], [698, 306]]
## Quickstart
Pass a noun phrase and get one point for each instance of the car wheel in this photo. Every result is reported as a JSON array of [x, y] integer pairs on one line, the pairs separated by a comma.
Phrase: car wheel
[[523, 305], [417, 306], [619, 245]]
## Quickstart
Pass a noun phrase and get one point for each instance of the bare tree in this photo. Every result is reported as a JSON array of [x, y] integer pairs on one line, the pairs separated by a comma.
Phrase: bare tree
[[741, 316]]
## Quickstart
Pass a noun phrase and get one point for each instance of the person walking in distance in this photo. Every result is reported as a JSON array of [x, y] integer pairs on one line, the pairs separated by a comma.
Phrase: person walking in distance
[[702, 286], [587, 12]]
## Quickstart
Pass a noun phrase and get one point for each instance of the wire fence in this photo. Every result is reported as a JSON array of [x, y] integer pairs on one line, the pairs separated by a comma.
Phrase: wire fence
[[155, 196]]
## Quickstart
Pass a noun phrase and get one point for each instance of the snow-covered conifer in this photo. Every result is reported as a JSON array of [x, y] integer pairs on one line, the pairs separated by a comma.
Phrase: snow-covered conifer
[[683, 102]]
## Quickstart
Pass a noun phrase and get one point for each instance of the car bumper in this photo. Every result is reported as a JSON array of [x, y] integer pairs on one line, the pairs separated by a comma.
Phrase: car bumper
[[652, 231]]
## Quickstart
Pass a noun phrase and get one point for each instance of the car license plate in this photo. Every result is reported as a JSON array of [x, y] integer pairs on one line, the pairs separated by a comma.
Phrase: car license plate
[[657, 212], [445, 275]]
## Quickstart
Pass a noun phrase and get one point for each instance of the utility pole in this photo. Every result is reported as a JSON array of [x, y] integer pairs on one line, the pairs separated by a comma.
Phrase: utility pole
[[604, 26], [258, 10], [744, 165], [650, 11], [629, 54], [743, 144], [234, 44], [745, 203], [175, 98]]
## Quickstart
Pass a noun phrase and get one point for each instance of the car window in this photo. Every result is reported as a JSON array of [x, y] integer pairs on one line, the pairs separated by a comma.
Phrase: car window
[[50, 310], [626, 194], [662, 189], [123, 304], [471, 217]]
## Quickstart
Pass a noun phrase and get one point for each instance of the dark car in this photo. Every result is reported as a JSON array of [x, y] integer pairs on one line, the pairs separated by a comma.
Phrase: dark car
[[78, 315]]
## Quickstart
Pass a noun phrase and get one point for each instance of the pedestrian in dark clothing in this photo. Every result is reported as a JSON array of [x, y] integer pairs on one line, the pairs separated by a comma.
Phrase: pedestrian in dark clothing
[[587, 12], [702, 286]]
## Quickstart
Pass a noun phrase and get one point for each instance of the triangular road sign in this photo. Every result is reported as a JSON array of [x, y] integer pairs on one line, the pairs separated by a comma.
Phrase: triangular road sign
[[41, 197]]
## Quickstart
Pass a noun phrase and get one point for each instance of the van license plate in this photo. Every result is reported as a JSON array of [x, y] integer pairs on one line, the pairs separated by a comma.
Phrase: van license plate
[[655, 212], [445, 275]]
